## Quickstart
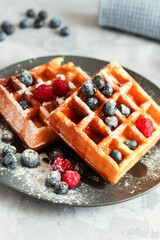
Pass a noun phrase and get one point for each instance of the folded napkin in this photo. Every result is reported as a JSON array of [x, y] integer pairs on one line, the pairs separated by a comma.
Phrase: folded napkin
[[137, 16]]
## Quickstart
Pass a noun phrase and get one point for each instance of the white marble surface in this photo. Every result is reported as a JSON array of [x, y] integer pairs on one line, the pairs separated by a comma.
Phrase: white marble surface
[[23, 218]]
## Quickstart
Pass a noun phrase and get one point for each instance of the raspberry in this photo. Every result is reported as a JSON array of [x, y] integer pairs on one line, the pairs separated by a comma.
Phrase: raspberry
[[145, 126], [43, 93], [62, 164], [60, 87], [72, 178]]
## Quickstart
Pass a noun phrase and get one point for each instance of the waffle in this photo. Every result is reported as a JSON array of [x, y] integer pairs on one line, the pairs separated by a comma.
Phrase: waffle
[[85, 131], [30, 124]]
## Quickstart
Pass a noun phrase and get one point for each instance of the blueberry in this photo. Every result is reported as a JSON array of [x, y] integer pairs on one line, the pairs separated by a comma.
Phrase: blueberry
[[116, 155], [111, 122], [132, 144], [9, 29], [42, 15], [30, 13], [54, 153], [124, 110], [2, 36], [54, 23], [53, 178], [7, 136], [110, 107], [24, 104], [99, 82], [25, 23], [26, 78], [30, 158], [92, 103], [38, 23], [10, 160], [5, 24], [9, 149], [61, 188], [107, 90], [88, 89], [65, 31]]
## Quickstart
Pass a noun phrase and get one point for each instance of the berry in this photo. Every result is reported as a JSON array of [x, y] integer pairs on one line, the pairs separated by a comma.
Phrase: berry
[[24, 104], [53, 178], [26, 78], [30, 158], [43, 15], [145, 126], [107, 90], [38, 23], [2, 36], [65, 31], [54, 153], [99, 82], [110, 107], [54, 23], [25, 23], [116, 155], [88, 89], [62, 164], [72, 178], [30, 13], [10, 160], [9, 29], [7, 136], [124, 110], [111, 122], [132, 144], [9, 149], [60, 87], [61, 188], [43, 93], [92, 103], [5, 24]]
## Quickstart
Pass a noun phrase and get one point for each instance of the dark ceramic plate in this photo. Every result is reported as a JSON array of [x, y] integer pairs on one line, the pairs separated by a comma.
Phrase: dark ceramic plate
[[92, 189]]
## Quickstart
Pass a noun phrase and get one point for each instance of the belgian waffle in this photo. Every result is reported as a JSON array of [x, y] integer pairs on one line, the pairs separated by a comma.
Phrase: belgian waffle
[[86, 132], [30, 124]]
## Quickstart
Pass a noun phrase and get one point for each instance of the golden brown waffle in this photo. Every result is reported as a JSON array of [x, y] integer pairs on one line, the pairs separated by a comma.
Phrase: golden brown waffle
[[30, 124], [85, 131]]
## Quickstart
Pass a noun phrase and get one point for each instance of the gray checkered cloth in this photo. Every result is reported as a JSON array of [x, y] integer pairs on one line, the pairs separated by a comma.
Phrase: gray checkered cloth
[[136, 16]]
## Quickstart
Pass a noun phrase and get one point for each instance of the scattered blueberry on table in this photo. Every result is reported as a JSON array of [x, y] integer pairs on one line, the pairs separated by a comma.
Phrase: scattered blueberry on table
[[54, 23], [25, 23], [30, 13], [9, 29], [38, 23], [42, 15], [65, 31], [26, 78]]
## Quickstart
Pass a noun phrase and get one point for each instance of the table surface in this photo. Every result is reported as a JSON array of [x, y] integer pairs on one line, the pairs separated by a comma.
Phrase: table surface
[[23, 218]]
